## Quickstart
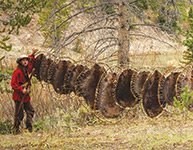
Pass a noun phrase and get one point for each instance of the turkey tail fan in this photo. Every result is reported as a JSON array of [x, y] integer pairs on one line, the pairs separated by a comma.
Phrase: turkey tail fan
[[37, 65], [105, 100], [161, 91], [71, 77], [169, 87], [180, 84], [124, 95], [58, 76], [137, 82], [150, 95], [51, 72], [87, 83], [44, 68]]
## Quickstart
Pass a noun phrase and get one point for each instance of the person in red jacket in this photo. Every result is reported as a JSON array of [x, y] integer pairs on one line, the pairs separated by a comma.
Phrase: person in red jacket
[[19, 77]]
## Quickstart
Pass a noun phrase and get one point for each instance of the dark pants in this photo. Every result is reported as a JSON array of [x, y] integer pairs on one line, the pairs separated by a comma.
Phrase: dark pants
[[19, 115]]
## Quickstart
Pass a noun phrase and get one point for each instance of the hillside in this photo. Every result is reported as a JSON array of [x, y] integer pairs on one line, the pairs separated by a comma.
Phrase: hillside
[[29, 37]]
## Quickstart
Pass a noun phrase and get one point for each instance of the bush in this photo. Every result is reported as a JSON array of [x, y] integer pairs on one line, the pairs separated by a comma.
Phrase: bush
[[183, 104], [6, 126], [188, 42]]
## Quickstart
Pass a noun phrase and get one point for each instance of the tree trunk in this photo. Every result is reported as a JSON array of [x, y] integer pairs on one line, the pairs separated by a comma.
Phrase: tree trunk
[[123, 33]]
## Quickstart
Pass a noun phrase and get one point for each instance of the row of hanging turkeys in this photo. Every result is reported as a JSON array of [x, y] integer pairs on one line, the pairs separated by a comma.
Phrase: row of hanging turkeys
[[111, 92]]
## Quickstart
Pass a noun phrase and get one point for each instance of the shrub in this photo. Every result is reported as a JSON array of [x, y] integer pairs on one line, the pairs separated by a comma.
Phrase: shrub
[[183, 104], [6, 126]]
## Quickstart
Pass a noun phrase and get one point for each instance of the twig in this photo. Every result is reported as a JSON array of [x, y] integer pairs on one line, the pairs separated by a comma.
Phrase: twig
[[148, 36], [55, 13]]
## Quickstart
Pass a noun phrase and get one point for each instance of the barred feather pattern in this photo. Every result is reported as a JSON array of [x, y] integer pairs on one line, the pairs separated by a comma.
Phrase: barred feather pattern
[[180, 84], [150, 95], [80, 79], [71, 76], [161, 93], [67, 78], [105, 99], [169, 87], [137, 82], [86, 85], [43, 64], [51, 71], [58, 78]]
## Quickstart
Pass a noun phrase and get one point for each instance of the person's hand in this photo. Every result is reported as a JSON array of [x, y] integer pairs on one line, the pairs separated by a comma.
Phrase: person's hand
[[25, 91], [34, 50]]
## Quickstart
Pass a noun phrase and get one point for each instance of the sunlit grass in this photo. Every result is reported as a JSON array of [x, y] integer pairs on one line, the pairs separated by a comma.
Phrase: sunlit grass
[[159, 133], [156, 60]]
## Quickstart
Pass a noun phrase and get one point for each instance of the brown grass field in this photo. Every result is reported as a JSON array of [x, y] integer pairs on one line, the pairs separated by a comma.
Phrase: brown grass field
[[165, 132]]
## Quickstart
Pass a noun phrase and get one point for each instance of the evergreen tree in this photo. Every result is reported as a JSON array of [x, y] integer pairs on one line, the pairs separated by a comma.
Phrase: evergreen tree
[[188, 42], [53, 15], [18, 13]]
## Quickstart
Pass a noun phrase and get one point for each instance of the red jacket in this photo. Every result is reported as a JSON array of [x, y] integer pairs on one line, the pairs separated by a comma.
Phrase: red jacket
[[18, 79]]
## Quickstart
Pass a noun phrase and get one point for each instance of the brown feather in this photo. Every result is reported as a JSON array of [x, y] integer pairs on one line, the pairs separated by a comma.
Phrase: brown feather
[[124, 94], [150, 95]]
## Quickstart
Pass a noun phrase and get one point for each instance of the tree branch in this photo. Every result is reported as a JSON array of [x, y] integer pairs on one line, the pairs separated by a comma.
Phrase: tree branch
[[148, 36], [90, 30], [84, 10], [55, 13], [104, 49]]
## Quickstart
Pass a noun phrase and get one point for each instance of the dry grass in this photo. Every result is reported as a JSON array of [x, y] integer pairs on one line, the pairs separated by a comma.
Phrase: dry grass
[[156, 60], [137, 133]]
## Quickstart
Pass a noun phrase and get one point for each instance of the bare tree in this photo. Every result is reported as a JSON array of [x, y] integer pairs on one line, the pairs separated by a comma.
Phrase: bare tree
[[105, 27]]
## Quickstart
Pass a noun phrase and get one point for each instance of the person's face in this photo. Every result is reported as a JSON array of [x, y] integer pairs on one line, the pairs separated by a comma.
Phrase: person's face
[[24, 62]]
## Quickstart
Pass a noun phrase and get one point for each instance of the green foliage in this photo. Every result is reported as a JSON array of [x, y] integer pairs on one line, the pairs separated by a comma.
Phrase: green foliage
[[190, 13], [4, 46], [2, 58], [45, 125], [9, 72], [5, 80], [183, 105], [54, 27], [188, 42], [85, 117], [143, 4], [86, 3], [77, 45], [59, 121], [65, 121], [38, 125], [161, 19], [19, 14], [169, 15], [6, 126], [153, 4], [108, 8]]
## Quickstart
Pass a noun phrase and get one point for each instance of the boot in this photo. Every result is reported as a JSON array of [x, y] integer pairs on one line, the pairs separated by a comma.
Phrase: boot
[[29, 127], [16, 129]]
